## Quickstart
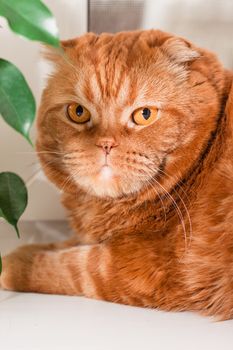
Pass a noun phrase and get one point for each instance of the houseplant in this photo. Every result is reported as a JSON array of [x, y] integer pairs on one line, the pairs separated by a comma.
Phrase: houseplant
[[33, 20]]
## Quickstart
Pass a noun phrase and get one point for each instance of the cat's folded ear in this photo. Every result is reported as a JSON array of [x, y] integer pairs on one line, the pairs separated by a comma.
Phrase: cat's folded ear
[[179, 50], [52, 54], [56, 55]]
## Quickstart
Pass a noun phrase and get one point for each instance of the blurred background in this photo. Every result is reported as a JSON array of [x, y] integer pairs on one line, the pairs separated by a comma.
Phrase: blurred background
[[208, 23]]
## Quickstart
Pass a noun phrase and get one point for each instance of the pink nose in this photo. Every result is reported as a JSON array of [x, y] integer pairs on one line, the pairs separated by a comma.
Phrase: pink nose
[[107, 143]]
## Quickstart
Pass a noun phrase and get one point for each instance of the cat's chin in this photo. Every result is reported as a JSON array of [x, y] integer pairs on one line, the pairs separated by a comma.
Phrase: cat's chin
[[107, 184], [103, 184]]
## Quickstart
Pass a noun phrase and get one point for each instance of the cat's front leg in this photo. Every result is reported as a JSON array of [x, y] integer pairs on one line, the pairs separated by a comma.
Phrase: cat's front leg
[[126, 270], [18, 264]]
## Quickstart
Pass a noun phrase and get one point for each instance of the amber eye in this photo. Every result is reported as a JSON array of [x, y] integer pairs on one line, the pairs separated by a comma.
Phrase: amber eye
[[78, 113], [145, 115]]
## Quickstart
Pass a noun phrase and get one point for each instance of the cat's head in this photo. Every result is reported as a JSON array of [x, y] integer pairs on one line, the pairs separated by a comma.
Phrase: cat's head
[[122, 113]]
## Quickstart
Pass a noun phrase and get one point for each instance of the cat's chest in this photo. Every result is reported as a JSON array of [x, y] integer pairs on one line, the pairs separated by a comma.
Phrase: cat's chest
[[98, 220]]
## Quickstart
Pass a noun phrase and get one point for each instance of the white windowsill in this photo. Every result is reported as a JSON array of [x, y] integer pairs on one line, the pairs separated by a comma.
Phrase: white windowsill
[[50, 322]]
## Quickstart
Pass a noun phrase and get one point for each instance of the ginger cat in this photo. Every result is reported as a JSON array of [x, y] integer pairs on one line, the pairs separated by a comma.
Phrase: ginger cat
[[136, 130]]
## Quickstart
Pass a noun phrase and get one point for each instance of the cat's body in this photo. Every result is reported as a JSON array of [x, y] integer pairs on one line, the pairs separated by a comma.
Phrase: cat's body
[[154, 225]]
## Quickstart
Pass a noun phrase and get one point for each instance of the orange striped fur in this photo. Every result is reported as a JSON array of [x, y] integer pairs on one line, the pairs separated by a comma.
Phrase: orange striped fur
[[156, 230]]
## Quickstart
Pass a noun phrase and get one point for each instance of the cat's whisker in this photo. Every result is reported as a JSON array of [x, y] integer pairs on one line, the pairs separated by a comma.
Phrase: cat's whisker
[[177, 183], [66, 182], [33, 177], [70, 163], [182, 201], [41, 152], [143, 176], [76, 151], [80, 156], [151, 186], [176, 206], [52, 161], [179, 212], [70, 177], [167, 195], [73, 176]]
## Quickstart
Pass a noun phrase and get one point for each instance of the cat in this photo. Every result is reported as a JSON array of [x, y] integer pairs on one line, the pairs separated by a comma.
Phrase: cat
[[135, 129]]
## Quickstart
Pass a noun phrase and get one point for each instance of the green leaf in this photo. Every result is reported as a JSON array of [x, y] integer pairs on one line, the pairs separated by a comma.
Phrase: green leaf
[[32, 19], [13, 198], [17, 104]]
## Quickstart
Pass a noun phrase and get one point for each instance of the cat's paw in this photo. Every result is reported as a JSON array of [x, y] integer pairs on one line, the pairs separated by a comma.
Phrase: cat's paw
[[16, 268], [7, 275]]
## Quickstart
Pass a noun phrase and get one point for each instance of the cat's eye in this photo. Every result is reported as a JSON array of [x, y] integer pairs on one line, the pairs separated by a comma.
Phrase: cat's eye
[[145, 115], [78, 113]]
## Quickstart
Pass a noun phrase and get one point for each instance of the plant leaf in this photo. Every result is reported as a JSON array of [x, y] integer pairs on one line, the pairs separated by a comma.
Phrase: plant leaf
[[13, 198], [32, 19], [17, 104]]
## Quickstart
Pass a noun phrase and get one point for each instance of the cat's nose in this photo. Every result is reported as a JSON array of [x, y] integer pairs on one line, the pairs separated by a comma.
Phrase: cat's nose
[[107, 143]]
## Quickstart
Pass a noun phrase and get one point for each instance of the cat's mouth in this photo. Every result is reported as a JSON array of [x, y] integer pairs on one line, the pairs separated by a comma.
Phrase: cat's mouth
[[106, 172], [114, 176]]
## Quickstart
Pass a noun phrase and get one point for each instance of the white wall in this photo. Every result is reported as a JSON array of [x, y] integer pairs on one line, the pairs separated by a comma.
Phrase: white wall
[[208, 23], [15, 154]]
